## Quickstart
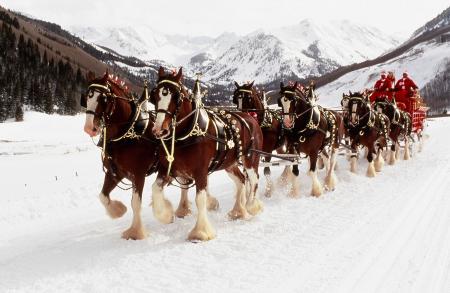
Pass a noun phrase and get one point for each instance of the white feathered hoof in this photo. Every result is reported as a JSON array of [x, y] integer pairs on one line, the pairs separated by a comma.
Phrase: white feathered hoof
[[391, 158], [406, 155], [163, 212], [379, 163], [254, 207], [353, 167], [183, 211], [371, 170], [269, 187], [202, 232], [135, 233], [238, 213], [116, 209], [212, 204], [330, 182]]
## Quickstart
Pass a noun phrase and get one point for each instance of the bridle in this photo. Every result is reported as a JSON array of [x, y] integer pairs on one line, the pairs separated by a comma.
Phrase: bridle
[[179, 96], [295, 98]]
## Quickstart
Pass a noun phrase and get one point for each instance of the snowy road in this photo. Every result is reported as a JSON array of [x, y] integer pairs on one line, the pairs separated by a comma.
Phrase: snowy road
[[386, 234]]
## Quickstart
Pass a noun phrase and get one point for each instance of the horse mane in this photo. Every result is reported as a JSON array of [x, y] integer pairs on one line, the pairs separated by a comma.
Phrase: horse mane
[[118, 86]]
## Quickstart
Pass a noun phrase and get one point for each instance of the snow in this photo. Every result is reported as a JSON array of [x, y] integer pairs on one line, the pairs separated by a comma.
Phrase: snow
[[386, 234], [423, 62]]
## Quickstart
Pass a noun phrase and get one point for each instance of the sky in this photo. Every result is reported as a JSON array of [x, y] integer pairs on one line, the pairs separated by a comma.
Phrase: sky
[[210, 17]]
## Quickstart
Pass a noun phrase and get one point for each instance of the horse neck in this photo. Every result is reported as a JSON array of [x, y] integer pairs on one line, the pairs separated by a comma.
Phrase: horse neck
[[119, 121], [185, 110], [304, 112], [258, 105]]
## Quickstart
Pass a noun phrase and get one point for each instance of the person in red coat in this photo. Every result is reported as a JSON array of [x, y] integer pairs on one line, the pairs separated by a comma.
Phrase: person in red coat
[[405, 88], [382, 88]]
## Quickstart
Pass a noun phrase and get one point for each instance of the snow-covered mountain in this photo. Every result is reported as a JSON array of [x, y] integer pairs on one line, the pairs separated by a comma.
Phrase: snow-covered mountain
[[301, 50], [147, 44], [305, 49], [423, 62], [439, 21]]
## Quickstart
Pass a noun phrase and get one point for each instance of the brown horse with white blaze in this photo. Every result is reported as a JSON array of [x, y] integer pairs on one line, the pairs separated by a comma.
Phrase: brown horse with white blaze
[[367, 128], [198, 142], [313, 128]]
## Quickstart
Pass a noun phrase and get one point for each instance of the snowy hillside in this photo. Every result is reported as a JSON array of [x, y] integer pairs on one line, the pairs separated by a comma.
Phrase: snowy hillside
[[423, 62], [307, 48], [386, 234]]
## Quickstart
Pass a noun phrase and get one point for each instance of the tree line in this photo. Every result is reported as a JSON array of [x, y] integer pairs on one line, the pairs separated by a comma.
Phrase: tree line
[[30, 79]]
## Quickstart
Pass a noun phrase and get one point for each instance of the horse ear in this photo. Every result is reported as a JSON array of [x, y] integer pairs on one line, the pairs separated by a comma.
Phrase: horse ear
[[251, 84], [349, 93], [179, 74], [90, 76], [295, 84], [236, 84], [161, 71], [281, 85]]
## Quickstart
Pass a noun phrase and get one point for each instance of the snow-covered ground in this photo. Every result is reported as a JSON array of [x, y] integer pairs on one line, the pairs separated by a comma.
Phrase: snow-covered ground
[[386, 234]]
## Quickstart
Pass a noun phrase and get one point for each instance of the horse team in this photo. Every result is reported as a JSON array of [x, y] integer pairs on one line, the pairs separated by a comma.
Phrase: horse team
[[183, 142]]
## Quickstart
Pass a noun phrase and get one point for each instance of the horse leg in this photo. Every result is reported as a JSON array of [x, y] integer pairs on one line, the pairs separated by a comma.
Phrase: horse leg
[[162, 208], [406, 155], [392, 153], [317, 188], [203, 230], [238, 211], [114, 208], [253, 204], [353, 158], [397, 150], [379, 161], [269, 184], [137, 230], [295, 182], [330, 179], [285, 175], [371, 168], [184, 207], [212, 204]]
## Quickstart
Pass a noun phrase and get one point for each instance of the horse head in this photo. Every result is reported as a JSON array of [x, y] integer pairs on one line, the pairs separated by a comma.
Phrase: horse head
[[100, 101], [292, 101], [167, 96], [246, 97], [357, 106]]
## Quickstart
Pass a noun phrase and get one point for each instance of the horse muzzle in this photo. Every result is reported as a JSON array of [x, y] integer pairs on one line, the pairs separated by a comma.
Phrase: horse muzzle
[[288, 122], [160, 133], [91, 131]]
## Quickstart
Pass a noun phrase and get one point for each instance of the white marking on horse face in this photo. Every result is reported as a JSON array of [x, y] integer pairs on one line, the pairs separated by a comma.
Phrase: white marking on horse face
[[354, 107], [163, 104], [240, 103], [91, 105], [286, 104]]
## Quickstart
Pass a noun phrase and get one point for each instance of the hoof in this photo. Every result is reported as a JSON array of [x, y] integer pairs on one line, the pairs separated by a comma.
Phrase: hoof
[[134, 234], [205, 234], [212, 204], [238, 214], [293, 193], [116, 209], [330, 182], [164, 214], [183, 212], [254, 207], [317, 192]]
